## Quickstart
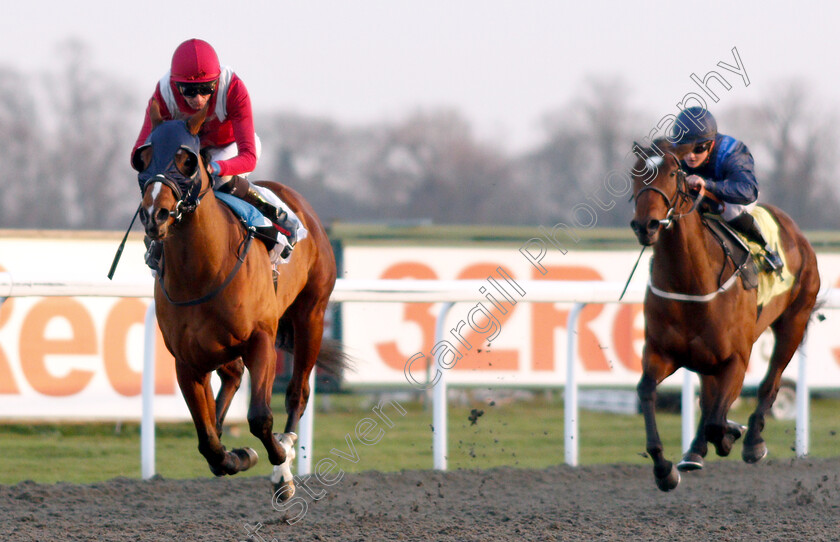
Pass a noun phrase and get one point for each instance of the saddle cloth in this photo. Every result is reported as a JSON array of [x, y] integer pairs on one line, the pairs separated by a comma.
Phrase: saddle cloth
[[769, 284], [246, 212]]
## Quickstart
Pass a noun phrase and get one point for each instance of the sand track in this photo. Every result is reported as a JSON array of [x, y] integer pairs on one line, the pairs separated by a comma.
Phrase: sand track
[[778, 500]]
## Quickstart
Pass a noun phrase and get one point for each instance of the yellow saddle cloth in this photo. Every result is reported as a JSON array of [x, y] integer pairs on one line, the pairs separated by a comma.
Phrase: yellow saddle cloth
[[770, 284]]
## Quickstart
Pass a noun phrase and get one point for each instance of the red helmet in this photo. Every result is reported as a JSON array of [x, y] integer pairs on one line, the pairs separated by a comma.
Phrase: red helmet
[[195, 61]]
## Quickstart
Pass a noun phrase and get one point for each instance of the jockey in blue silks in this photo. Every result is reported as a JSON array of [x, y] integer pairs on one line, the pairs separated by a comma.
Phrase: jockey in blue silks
[[724, 167]]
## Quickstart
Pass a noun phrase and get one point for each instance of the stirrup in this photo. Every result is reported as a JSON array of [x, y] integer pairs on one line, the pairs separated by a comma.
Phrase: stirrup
[[276, 215], [287, 225], [772, 260]]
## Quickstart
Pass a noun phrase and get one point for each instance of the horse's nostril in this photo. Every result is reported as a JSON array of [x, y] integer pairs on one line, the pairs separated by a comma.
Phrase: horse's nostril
[[653, 225], [161, 215]]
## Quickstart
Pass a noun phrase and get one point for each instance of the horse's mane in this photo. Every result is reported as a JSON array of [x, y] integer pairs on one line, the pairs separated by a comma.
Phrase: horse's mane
[[660, 147]]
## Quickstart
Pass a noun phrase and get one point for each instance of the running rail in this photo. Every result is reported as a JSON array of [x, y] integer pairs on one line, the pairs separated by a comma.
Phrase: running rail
[[449, 292]]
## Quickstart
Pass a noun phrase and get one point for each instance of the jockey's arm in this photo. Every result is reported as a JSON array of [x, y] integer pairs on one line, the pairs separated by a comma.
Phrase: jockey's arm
[[738, 187], [737, 182], [240, 115]]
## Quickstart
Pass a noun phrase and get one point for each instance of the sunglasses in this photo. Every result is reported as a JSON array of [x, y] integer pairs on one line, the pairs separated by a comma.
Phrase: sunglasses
[[191, 90], [703, 147]]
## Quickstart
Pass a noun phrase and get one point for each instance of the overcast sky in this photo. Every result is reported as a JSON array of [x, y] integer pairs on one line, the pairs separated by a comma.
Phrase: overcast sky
[[502, 63]]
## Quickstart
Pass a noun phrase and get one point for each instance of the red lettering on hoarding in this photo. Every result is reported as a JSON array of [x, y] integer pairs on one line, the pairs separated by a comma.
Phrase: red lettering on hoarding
[[7, 379], [547, 317], [625, 335], [479, 356], [126, 381], [35, 346], [122, 377], [417, 313]]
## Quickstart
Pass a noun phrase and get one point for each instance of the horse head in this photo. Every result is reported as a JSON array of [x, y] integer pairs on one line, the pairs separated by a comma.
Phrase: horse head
[[658, 191], [171, 172]]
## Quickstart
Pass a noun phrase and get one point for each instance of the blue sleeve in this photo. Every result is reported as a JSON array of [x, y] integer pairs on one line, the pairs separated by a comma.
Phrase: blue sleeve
[[735, 182]]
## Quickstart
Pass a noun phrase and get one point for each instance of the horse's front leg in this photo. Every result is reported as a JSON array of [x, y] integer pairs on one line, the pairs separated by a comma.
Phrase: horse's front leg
[[261, 358], [693, 458], [656, 369], [199, 397], [231, 377]]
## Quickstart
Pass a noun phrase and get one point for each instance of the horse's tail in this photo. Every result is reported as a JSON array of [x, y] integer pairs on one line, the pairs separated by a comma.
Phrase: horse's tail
[[822, 301], [332, 357]]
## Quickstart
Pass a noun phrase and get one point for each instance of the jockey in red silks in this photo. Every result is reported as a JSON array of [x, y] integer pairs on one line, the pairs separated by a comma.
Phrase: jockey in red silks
[[227, 136]]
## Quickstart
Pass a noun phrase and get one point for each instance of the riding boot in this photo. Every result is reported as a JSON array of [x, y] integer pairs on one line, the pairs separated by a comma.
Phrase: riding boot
[[283, 218], [746, 224], [154, 252]]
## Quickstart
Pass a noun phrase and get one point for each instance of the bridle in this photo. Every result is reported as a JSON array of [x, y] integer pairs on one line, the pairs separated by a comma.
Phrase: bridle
[[187, 203], [681, 195], [674, 201]]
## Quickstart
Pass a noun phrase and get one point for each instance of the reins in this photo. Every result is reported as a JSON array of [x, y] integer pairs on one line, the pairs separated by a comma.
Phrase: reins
[[670, 218], [182, 207], [244, 246], [680, 195]]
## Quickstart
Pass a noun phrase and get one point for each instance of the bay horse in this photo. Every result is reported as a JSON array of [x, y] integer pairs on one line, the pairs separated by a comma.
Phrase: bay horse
[[217, 304], [704, 327]]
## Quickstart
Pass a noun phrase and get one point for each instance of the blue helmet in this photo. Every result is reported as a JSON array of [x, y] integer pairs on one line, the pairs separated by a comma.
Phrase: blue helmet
[[694, 125]]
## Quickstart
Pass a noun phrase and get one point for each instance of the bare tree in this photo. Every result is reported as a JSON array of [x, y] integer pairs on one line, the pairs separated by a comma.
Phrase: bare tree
[[794, 143], [433, 167], [21, 154], [586, 140], [90, 149]]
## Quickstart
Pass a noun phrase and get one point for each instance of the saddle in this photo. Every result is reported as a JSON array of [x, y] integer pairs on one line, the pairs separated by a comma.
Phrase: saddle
[[251, 219], [746, 256], [735, 248]]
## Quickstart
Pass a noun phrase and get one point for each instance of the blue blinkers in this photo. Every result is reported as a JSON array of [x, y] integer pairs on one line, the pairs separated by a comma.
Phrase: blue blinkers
[[165, 141]]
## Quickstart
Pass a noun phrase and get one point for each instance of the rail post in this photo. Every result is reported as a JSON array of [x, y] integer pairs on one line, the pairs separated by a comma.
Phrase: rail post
[[147, 423], [439, 405], [570, 405]]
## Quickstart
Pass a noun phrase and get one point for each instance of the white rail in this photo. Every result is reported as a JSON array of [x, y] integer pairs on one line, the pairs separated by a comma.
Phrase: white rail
[[407, 291]]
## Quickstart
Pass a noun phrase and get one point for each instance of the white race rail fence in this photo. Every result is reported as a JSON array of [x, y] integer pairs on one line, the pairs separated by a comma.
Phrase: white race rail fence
[[579, 294]]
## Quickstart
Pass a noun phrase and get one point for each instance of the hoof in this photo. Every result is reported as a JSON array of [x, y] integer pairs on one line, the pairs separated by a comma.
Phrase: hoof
[[754, 453], [669, 482], [735, 429], [284, 484], [283, 491], [690, 461], [247, 458]]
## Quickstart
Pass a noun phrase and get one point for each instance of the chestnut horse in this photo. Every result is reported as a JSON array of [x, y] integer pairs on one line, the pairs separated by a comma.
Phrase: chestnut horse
[[698, 319], [217, 304]]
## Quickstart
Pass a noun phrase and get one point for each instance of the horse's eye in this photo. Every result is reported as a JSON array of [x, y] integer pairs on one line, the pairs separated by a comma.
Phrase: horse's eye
[[142, 158], [186, 163]]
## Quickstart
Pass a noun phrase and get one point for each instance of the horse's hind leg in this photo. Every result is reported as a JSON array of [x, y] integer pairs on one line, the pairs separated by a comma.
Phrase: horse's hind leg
[[719, 391], [788, 331], [231, 377], [656, 369], [309, 330], [199, 397]]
